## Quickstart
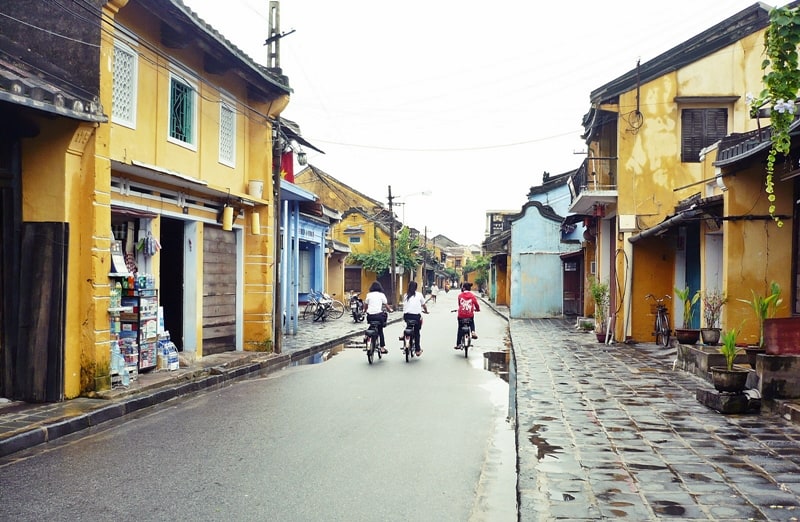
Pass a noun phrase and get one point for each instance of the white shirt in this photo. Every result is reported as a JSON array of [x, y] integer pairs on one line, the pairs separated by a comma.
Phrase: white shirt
[[413, 305], [375, 302]]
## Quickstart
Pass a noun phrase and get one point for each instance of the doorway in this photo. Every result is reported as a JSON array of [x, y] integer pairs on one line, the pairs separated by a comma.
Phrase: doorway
[[172, 263]]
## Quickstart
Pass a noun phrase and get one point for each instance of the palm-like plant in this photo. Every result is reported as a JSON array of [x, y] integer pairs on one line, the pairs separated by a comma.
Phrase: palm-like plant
[[764, 307], [728, 348], [689, 300]]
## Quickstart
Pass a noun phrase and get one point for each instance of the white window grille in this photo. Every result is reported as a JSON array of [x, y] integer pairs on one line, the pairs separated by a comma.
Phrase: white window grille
[[227, 135], [124, 83]]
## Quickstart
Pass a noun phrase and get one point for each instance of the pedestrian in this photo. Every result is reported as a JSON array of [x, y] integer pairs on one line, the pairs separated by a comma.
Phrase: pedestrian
[[413, 308], [467, 306], [434, 291], [377, 310]]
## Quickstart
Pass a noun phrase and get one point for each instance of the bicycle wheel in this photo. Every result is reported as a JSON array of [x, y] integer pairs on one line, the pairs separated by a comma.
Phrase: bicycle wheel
[[407, 347], [336, 309], [371, 349], [309, 310], [467, 344], [662, 330], [320, 313]]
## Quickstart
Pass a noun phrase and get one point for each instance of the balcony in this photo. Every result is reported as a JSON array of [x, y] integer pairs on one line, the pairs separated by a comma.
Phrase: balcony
[[593, 184]]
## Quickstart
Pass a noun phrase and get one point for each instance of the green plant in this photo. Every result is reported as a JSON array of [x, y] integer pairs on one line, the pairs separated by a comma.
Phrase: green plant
[[764, 307], [689, 300], [600, 295], [728, 347], [712, 307], [781, 84]]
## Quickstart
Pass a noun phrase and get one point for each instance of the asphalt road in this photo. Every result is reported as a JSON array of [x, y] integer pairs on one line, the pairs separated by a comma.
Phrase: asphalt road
[[341, 440]]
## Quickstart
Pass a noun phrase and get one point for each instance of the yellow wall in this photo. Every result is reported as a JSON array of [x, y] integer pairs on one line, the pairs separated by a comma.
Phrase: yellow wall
[[649, 167]]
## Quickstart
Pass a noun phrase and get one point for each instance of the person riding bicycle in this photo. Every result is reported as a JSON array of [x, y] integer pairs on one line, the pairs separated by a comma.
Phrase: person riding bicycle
[[377, 305], [413, 308], [467, 306]]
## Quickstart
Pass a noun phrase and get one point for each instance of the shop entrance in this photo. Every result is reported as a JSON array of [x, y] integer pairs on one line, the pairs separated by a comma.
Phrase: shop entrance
[[10, 217], [172, 276]]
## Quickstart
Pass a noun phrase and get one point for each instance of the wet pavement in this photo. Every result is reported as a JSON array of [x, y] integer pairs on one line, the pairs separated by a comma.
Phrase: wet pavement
[[603, 431], [613, 432]]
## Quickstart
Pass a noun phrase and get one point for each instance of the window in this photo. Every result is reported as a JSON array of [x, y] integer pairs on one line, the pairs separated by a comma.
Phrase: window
[[123, 97], [354, 239], [699, 129], [182, 112], [227, 134]]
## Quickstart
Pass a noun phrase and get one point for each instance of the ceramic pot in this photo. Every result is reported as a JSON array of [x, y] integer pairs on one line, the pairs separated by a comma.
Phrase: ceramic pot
[[601, 337], [732, 381], [710, 336], [687, 336]]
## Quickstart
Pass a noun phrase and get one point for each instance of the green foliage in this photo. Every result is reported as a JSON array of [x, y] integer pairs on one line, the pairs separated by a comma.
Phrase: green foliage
[[601, 296], [728, 347], [480, 265], [764, 307], [405, 253], [689, 300], [781, 84]]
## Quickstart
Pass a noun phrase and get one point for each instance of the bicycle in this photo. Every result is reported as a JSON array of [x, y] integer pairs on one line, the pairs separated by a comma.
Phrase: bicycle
[[328, 307], [409, 345], [311, 304], [465, 331], [661, 327], [371, 337]]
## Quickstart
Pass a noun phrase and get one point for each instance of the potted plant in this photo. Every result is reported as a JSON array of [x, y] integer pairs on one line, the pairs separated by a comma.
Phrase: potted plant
[[600, 295], [763, 307], [712, 310], [728, 378], [687, 334]]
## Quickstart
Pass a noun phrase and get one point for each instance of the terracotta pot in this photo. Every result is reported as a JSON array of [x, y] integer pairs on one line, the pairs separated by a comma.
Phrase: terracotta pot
[[601, 337], [782, 336], [710, 336], [687, 336], [725, 380]]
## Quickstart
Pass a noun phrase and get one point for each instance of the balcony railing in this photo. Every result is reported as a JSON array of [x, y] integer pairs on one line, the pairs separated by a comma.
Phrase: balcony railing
[[596, 174]]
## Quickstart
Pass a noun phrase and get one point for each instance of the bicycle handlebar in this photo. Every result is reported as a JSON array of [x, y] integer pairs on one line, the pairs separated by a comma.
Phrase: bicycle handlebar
[[657, 300]]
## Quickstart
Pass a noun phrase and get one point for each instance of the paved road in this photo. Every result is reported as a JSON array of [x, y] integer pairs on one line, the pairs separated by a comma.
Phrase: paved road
[[613, 432]]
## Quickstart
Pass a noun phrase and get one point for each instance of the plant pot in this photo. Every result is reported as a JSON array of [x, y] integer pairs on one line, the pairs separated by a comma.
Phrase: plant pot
[[710, 336], [687, 335], [752, 353], [782, 336], [601, 337], [732, 381]]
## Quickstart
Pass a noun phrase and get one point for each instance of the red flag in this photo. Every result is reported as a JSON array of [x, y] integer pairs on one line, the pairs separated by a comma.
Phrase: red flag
[[287, 166]]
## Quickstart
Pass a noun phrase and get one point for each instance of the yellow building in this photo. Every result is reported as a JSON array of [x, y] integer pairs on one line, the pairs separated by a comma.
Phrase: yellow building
[[660, 216], [178, 173]]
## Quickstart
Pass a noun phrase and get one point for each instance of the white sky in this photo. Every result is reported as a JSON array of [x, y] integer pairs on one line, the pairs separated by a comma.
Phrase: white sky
[[470, 100]]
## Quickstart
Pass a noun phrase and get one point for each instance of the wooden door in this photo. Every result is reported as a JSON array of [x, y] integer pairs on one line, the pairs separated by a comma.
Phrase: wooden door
[[219, 291]]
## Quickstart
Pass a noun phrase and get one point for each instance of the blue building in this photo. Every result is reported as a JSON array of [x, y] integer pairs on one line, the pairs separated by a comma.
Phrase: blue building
[[545, 253]]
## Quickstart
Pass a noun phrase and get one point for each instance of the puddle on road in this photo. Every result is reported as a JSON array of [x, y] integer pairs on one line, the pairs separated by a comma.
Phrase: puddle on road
[[319, 357], [497, 363]]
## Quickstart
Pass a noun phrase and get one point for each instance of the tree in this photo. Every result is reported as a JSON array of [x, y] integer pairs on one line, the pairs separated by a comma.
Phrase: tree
[[406, 254], [480, 265]]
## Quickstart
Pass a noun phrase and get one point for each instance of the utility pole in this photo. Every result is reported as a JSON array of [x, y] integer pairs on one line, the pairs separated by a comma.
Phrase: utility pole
[[392, 268]]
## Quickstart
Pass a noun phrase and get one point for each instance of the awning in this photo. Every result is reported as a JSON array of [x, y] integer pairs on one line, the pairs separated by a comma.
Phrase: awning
[[668, 223]]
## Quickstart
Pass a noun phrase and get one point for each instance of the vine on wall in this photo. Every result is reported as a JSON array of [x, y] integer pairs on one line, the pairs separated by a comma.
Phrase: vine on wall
[[781, 85]]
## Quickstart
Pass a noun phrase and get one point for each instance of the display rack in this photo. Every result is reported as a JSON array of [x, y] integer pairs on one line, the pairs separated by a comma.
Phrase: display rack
[[139, 326]]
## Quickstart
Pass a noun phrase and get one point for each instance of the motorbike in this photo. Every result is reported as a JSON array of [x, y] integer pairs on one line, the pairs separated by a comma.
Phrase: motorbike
[[357, 308]]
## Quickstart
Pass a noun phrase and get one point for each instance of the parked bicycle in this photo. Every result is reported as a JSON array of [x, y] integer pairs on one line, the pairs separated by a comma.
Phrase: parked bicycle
[[321, 306], [661, 328], [371, 337]]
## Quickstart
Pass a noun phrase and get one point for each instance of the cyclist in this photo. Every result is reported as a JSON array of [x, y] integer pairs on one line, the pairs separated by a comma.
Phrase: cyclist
[[377, 305], [413, 308], [467, 306]]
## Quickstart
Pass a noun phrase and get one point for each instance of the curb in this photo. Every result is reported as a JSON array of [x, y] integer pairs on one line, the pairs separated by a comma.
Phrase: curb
[[202, 380]]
